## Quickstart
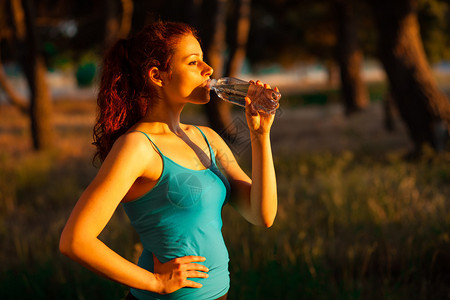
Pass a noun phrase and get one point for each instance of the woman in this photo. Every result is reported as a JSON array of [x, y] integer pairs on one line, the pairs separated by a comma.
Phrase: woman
[[164, 172]]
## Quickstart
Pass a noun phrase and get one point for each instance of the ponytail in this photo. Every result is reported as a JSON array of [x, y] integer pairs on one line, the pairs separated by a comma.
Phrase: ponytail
[[119, 108]]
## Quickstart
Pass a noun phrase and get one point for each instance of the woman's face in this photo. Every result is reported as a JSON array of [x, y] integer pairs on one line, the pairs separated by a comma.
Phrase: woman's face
[[189, 74]]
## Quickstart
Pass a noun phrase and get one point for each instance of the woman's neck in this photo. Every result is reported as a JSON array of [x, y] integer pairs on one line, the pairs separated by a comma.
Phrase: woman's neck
[[165, 118]]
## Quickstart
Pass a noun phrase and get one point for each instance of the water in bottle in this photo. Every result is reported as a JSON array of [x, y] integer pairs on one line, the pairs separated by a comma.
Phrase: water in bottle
[[235, 90]]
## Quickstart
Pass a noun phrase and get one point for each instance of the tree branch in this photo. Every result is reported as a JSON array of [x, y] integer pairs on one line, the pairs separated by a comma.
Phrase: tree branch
[[127, 18], [15, 98]]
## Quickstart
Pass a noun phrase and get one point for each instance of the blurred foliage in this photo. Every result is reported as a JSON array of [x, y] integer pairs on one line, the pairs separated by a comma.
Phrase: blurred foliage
[[287, 31], [284, 31], [86, 73], [434, 18]]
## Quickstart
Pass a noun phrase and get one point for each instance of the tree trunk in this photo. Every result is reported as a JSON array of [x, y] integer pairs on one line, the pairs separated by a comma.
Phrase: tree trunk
[[239, 45], [40, 106], [6, 33], [218, 111], [112, 23], [118, 21], [127, 18], [333, 71], [35, 71], [349, 54], [423, 107], [192, 9]]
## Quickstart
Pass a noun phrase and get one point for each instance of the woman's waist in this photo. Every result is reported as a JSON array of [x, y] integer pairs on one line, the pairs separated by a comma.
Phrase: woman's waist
[[169, 244], [215, 285], [215, 252]]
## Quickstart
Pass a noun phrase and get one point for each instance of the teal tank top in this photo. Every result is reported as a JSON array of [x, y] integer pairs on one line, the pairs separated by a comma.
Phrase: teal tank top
[[182, 215]]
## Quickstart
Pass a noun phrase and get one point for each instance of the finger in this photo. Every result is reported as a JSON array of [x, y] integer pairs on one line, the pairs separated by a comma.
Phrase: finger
[[264, 113], [248, 101], [196, 267], [253, 111], [195, 274], [192, 284], [258, 82], [250, 107], [252, 82], [267, 86], [189, 259], [276, 89]]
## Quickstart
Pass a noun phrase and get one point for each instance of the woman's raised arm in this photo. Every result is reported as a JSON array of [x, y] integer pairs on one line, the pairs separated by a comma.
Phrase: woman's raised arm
[[255, 199]]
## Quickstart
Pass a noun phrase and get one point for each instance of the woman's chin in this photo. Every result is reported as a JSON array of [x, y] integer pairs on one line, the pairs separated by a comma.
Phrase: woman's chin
[[201, 98], [204, 101]]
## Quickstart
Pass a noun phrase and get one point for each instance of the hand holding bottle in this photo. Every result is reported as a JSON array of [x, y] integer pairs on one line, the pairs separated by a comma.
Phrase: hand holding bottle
[[259, 121], [235, 90]]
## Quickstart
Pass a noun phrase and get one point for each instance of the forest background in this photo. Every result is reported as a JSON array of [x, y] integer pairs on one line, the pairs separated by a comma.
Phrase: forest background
[[360, 142]]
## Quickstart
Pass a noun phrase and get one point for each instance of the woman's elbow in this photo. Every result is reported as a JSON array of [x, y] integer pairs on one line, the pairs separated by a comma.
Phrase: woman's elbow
[[268, 222], [66, 245], [69, 245], [268, 215]]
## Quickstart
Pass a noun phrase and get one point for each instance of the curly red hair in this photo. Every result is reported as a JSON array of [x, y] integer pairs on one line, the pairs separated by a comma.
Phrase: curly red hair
[[124, 93]]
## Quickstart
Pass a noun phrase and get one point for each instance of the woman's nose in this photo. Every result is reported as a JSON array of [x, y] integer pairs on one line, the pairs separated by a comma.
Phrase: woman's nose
[[207, 70]]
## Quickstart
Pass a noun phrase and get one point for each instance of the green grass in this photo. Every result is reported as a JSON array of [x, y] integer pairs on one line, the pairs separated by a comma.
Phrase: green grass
[[349, 226]]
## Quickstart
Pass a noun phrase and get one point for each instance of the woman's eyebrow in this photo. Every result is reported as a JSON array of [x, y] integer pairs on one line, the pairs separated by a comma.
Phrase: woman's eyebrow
[[194, 54]]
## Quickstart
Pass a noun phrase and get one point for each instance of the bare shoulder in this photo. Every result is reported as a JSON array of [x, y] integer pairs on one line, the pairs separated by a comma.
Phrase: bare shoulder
[[134, 141], [218, 144], [211, 135], [133, 147]]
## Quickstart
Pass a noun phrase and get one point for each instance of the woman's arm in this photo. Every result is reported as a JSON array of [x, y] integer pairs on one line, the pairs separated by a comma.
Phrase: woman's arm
[[255, 199], [128, 159]]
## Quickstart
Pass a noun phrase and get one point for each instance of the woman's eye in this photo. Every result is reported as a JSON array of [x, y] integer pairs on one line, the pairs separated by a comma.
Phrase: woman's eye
[[193, 63]]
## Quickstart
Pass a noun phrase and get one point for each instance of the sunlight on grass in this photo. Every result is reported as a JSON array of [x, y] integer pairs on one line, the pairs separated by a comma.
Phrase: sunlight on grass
[[351, 225]]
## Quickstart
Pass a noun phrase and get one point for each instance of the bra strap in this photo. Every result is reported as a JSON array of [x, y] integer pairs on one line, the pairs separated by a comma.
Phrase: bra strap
[[207, 142]]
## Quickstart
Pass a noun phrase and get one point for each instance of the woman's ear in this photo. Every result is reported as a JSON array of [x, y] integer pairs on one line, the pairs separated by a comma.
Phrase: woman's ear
[[155, 76]]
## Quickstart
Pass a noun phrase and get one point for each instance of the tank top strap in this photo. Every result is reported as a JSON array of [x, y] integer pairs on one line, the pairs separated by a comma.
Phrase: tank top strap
[[154, 145], [213, 159]]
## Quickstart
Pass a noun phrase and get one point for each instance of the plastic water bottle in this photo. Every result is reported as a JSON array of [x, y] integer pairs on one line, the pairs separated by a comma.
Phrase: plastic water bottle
[[235, 90]]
